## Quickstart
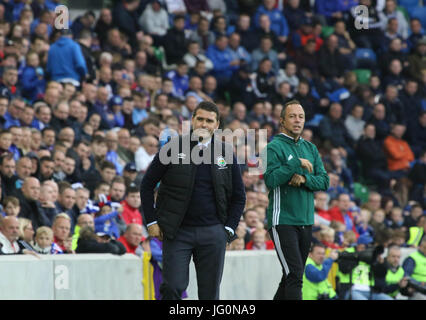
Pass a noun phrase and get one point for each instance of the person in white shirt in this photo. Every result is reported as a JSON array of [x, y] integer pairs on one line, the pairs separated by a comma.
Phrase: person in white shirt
[[9, 234], [155, 20], [146, 152]]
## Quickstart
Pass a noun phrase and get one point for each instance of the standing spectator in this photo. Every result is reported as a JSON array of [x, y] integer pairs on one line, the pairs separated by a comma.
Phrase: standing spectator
[[125, 16], [103, 25], [373, 159], [65, 61], [175, 42], [285, 218]]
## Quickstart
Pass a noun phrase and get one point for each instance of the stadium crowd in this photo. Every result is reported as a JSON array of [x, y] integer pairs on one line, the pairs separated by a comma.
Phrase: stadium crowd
[[84, 110]]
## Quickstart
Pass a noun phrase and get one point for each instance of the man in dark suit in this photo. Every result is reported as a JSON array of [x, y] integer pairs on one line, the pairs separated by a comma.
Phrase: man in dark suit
[[199, 204]]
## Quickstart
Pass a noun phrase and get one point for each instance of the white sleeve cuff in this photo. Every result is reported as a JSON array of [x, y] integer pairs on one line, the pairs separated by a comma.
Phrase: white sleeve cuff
[[230, 230], [150, 224]]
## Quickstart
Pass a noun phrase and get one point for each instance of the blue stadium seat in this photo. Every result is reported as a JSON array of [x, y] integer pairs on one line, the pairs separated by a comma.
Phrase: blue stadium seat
[[408, 3], [365, 53], [420, 13]]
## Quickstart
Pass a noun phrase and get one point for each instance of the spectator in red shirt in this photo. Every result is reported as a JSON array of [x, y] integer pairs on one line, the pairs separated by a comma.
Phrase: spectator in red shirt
[[131, 204], [132, 237], [61, 230], [342, 214], [259, 241]]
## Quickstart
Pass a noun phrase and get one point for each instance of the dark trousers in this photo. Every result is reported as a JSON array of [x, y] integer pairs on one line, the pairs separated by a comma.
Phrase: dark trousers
[[206, 245], [292, 244]]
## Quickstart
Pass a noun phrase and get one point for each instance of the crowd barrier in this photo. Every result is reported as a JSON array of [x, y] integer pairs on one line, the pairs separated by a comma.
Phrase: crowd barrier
[[247, 275]]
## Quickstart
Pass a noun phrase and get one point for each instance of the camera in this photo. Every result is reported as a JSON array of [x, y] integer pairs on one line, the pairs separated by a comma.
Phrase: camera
[[416, 286], [323, 296], [368, 255]]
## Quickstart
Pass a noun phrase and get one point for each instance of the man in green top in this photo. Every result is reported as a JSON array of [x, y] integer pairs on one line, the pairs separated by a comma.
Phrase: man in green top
[[294, 171]]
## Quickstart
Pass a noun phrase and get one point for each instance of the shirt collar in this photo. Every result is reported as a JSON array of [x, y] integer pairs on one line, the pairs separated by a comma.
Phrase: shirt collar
[[205, 144]]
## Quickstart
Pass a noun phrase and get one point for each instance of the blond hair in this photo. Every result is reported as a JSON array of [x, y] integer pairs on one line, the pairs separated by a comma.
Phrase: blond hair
[[44, 230]]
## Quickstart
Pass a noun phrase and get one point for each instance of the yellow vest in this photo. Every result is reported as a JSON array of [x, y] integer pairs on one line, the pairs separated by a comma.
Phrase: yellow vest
[[419, 272], [394, 278], [311, 290]]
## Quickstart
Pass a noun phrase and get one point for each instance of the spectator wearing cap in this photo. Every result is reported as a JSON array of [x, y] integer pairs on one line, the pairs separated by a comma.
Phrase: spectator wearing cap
[[130, 174], [131, 205], [65, 61], [146, 152], [91, 242]]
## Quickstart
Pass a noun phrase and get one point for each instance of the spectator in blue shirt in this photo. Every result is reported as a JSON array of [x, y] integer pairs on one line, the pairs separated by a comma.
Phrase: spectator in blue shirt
[[278, 21], [224, 64], [65, 61], [180, 79], [32, 78]]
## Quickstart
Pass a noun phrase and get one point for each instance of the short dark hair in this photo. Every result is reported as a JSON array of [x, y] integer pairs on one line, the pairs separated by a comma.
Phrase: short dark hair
[[208, 106], [107, 165], [291, 102]]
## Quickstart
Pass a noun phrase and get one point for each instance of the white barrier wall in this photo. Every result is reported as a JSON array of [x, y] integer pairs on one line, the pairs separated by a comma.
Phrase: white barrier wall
[[251, 275], [69, 277], [247, 275]]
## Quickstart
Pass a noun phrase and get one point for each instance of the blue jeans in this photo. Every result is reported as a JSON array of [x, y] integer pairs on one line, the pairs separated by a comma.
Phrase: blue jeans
[[365, 295]]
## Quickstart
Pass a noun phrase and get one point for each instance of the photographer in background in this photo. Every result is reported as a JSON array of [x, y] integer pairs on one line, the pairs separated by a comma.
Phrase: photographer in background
[[415, 269], [315, 283], [358, 268]]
